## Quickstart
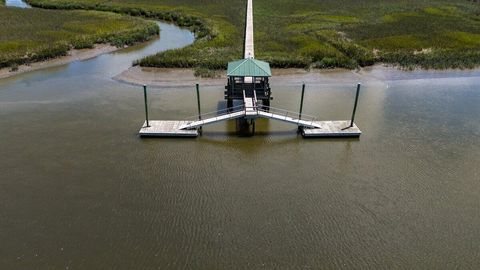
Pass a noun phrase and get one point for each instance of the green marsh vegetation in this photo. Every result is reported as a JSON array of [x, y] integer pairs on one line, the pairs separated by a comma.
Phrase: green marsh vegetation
[[31, 35], [312, 33]]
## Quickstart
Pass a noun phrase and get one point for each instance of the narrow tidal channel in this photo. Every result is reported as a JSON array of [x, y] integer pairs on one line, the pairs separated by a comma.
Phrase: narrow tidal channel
[[80, 190]]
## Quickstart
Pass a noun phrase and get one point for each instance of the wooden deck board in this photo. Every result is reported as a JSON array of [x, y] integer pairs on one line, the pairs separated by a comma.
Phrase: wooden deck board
[[166, 128], [332, 129]]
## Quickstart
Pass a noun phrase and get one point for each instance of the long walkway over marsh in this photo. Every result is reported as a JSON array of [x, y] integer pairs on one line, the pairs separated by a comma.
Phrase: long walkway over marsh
[[249, 49]]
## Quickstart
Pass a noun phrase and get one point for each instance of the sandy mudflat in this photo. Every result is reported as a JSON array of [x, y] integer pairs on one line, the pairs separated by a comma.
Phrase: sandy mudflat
[[73, 55], [178, 77], [173, 77], [165, 77], [377, 74]]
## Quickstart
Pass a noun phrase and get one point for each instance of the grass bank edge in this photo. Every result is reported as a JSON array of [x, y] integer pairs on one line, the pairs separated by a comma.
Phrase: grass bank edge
[[203, 31], [337, 50], [138, 33], [209, 31]]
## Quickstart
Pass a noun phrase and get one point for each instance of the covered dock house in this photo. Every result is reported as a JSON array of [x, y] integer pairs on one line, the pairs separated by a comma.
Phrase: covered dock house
[[250, 77]]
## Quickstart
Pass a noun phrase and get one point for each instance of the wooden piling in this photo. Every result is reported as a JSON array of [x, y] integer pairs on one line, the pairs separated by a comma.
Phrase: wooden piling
[[198, 102], [146, 104], [301, 102], [355, 105]]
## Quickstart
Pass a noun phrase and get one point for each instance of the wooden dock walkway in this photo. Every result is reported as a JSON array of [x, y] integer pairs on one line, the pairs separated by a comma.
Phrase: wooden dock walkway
[[250, 109], [249, 49], [250, 105]]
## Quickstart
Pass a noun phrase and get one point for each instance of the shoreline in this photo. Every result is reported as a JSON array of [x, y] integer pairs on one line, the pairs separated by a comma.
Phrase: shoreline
[[184, 77], [200, 26], [179, 77], [72, 56]]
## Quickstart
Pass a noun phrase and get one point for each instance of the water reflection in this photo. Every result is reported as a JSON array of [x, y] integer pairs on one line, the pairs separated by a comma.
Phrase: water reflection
[[16, 3], [80, 189]]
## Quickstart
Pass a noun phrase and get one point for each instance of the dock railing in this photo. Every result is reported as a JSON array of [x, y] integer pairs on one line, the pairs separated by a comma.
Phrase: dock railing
[[289, 116], [216, 114]]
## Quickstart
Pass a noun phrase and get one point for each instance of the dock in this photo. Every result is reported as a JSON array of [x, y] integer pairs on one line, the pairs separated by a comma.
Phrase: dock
[[172, 128], [248, 83], [333, 129], [308, 125], [166, 129]]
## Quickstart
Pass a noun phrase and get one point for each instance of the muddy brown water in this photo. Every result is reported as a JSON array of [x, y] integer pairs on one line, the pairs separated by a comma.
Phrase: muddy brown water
[[80, 190]]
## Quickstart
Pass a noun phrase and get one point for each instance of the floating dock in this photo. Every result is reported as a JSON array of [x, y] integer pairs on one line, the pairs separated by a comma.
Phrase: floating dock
[[337, 129], [166, 129], [328, 129], [309, 128]]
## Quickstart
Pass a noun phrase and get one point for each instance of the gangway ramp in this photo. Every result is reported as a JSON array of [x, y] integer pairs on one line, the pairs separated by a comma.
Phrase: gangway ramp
[[287, 116], [250, 109], [250, 103], [288, 119], [212, 120], [251, 114]]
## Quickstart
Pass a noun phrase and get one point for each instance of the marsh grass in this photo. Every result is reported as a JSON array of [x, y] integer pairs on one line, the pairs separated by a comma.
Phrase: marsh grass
[[207, 72], [31, 35], [313, 33]]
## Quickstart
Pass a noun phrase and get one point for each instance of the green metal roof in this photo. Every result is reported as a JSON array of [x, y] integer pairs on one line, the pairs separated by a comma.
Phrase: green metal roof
[[249, 68]]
